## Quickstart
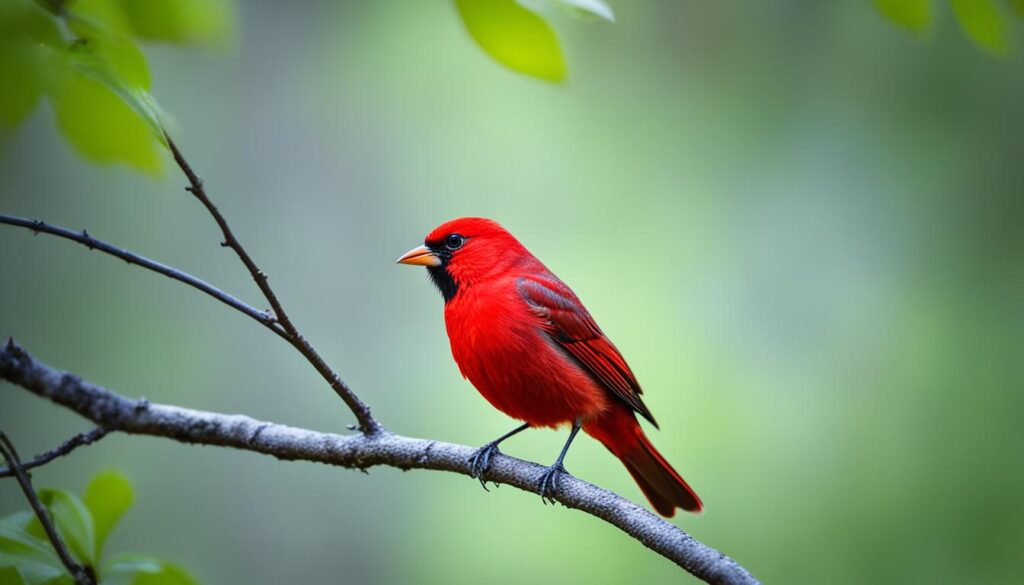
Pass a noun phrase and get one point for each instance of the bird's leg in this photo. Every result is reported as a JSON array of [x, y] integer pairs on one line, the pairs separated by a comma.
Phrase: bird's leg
[[480, 461], [548, 484]]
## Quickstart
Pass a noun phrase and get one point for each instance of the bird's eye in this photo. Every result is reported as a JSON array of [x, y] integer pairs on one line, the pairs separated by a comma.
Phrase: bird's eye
[[454, 241]]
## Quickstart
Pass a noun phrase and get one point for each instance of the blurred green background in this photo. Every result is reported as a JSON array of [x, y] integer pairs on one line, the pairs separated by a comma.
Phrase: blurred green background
[[800, 224]]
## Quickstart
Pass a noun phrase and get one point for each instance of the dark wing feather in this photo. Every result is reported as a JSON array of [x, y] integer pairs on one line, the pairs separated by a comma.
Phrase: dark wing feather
[[569, 324]]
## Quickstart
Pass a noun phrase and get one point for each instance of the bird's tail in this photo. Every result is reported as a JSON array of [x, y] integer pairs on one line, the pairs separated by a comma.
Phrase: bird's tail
[[620, 432]]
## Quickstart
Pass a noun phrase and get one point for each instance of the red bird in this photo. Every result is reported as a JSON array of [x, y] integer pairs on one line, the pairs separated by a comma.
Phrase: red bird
[[526, 342]]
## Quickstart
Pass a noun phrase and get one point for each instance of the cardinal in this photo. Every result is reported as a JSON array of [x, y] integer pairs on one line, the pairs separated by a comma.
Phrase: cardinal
[[526, 342]]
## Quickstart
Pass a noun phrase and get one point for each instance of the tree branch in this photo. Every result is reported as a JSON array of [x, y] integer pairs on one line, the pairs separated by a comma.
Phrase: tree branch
[[83, 237], [79, 440], [82, 575], [116, 412], [367, 424]]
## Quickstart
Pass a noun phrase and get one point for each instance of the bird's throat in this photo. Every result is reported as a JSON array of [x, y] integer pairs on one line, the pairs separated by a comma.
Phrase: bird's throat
[[444, 281]]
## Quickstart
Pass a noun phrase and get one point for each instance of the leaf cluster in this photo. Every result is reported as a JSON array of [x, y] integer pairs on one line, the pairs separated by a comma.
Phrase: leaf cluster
[[27, 557], [985, 22], [83, 57]]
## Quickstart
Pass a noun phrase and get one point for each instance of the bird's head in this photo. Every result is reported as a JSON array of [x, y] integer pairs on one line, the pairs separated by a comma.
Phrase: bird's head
[[466, 251]]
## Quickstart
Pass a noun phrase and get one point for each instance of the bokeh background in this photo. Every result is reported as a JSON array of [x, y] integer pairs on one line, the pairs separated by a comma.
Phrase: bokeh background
[[801, 225]]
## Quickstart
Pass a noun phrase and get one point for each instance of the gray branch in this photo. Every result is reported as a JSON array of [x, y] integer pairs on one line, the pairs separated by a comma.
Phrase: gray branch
[[359, 451]]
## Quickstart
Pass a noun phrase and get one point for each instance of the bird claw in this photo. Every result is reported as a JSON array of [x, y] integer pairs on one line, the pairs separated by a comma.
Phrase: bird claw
[[480, 462], [547, 486]]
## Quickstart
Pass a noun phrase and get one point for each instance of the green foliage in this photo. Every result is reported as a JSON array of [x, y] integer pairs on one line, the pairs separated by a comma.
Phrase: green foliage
[[134, 569], [27, 556], [519, 38], [514, 36], [33, 557], [914, 15], [201, 22], [108, 497], [102, 125], [28, 38], [985, 22], [587, 9], [10, 576], [86, 62], [72, 521]]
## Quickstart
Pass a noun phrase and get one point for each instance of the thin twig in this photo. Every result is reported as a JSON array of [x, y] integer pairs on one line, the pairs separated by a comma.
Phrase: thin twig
[[117, 412], [83, 237], [367, 424], [79, 440], [82, 575]]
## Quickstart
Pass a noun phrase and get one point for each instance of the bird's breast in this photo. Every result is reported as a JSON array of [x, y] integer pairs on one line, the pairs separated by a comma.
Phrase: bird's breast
[[501, 347]]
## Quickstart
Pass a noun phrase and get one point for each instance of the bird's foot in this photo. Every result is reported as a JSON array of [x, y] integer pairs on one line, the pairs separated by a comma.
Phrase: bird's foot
[[547, 487], [480, 462]]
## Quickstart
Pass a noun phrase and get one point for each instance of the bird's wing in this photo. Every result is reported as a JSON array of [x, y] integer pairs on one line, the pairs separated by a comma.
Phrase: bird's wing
[[569, 324]]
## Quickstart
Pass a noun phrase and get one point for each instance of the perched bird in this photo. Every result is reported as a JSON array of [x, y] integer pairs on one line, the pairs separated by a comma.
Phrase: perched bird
[[526, 342]]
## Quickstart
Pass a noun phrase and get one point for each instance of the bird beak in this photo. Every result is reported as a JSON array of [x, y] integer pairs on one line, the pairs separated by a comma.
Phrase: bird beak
[[420, 256]]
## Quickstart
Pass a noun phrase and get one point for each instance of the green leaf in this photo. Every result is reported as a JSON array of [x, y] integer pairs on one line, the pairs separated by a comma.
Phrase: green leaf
[[136, 569], [10, 576], [136, 98], [169, 575], [984, 23], [202, 22], [119, 66], [34, 557], [588, 9], [18, 78], [108, 497], [25, 19], [914, 15], [514, 36], [115, 62], [72, 521], [118, 57], [31, 571], [131, 563], [105, 15], [18, 537], [101, 124], [1018, 7], [28, 41], [14, 530]]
